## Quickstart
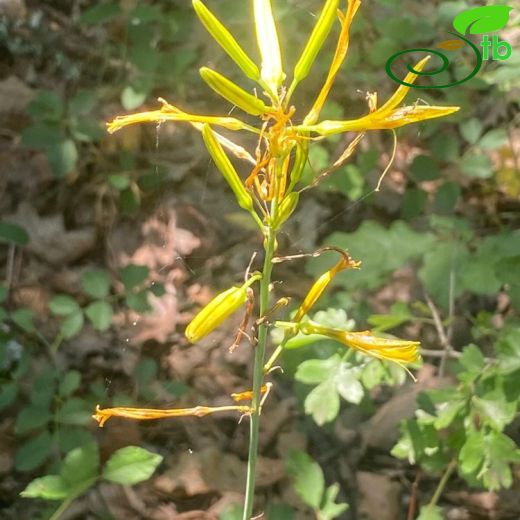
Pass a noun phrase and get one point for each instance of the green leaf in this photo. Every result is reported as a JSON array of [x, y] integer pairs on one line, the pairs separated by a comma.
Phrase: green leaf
[[62, 157], [24, 318], [446, 197], [134, 275], [414, 202], [471, 130], [493, 139], [471, 455], [75, 412], [138, 301], [430, 513], [314, 371], [347, 382], [476, 165], [31, 418], [399, 314], [72, 324], [439, 264], [50, 487], [329, 509], [508, 270], [424, 168], [63, 305], [131, 465], [500, 451], [80, 467], [100, 315], [69, 383], [323, 403], [479, 20], [279, 512], [47, 105], [34, 452], [447, 413], [3, 293], [119, 181], [13, 234], [309, 482], [132, 98], [472, 359], [96, 283], [494, 409], [41, 135], [8, 393]]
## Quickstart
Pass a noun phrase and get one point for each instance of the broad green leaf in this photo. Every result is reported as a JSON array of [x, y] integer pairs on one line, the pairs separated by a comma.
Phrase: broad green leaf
[[72, 324], [72, 437], [314, 371], [323, 403], [62, 157], [495, 409], [33, 453], [232, 512], [307, 475], [96, 283], [134, 275], [493, 139], [447, 413], [119, 181], [24, 318], [63, 305], [81, 465], [424, 168], [479, 20], [69, 383], [8, 393], [476, 165], [399, 313], [414, 202], [446, 197], [472, 359], [471, 130], [13, 234], [100, 315], [280, 512], [138, 301], [347, 383], [508, 269], [131, 465], [75, 412], [132, 98], [471, 455], [30, 418], [50, 487]]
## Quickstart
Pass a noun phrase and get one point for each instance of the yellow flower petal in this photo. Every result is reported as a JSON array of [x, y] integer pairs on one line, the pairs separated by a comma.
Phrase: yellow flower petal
[[171, 113]]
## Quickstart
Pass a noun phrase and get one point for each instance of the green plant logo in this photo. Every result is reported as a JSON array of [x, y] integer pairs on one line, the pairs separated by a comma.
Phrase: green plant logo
[[480, 20]]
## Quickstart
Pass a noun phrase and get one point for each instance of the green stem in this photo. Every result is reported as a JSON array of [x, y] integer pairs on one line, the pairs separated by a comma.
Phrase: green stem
[[258, 375], [444, 480]]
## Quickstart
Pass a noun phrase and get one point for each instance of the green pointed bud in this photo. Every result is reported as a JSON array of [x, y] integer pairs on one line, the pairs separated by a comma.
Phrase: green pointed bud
[[318, 36], [233, 93], [300, 160], [224, 38], [286, 208], [223, 163], [267, 38]]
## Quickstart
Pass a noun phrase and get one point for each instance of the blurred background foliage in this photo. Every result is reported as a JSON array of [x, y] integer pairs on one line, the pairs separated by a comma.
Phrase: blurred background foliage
[[89, 314]]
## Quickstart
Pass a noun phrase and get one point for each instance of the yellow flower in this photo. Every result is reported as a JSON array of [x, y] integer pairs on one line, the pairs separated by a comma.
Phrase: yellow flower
[[397, 350], [389, 115]]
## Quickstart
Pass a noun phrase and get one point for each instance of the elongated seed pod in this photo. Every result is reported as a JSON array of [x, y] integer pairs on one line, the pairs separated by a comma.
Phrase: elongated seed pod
[[233, 93], [215, 312], [224, 38], [223, 163], [317, 38]]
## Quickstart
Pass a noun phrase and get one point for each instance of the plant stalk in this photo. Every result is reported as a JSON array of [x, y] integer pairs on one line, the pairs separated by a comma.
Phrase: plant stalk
[[258, 375], [444, 480]]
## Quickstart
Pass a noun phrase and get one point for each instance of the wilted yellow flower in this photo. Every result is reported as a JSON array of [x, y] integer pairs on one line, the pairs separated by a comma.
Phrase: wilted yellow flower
[[398, 350]]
